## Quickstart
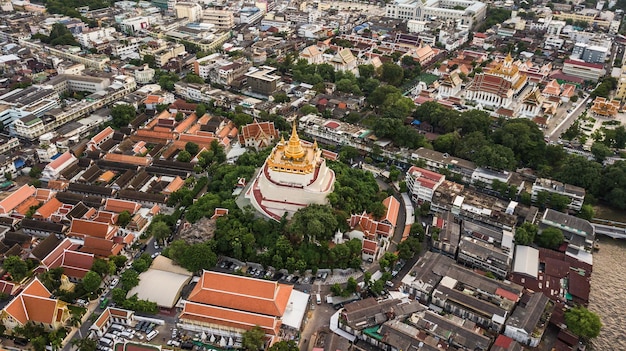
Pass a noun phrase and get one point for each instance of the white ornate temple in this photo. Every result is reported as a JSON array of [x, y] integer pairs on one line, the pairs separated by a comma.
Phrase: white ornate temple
[[498, 86], [293, 176]]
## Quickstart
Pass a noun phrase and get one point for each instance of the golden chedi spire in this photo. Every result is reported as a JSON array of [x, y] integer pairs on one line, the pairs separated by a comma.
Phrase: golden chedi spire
[[294, 149]]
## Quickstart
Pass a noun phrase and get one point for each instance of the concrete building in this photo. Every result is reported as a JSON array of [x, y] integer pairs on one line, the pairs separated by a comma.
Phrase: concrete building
[[422, 183], [574, 193], [463, 12], [530, 318], [584, 70], [189, 10], [590, 53], [30, 101], [262, 80], [221, 19]]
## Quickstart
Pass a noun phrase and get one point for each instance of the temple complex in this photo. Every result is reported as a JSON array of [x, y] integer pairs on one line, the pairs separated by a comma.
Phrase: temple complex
[[293, 176], [497, 86]]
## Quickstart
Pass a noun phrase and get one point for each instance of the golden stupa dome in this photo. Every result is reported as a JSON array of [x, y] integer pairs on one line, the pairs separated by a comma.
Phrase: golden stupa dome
[[294, 149]]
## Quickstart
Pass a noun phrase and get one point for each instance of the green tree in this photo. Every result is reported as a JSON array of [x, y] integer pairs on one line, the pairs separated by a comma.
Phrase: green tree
[[129, 279], [281, 98], [119, 296], [388, 260], [122, 114], [91, 282], [124, 218], [525, 234], [118, 260], [600, 151], [253, 339], [583, 322], [352, 285], [314, 222], [183, 156], [179, 116], [192, 148], [391, 73], [35, 172], [193, 78], [284, 345], [100, 266], [408, 248], [200, 110], [85, 344], [550, 238], [17, 267], [160, 230], [586, 212]]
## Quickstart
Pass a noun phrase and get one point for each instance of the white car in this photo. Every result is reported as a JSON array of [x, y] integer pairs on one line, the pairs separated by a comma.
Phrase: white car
[[154, 255], [113, 283]]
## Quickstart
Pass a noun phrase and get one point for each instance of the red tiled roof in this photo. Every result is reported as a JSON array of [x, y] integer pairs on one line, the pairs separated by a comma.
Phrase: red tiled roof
[[256, 130], [507, 294], [503, 341], [584, 64]]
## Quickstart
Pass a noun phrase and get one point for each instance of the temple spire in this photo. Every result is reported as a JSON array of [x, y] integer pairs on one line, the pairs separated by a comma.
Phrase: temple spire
[[294, 148]]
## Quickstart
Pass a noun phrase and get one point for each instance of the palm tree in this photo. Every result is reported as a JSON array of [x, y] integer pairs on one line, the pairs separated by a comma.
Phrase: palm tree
[[85, 344]]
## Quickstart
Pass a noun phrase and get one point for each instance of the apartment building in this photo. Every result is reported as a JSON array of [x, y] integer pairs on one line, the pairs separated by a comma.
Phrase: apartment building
[[32, 100], [422, 183], [262, 80], [221, 19], [584, 70], [32, 126], [463, 12], [574, 193]]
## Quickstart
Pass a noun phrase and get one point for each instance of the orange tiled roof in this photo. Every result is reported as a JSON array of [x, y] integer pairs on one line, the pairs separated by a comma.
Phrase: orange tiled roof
[[241, 293], [128, 159], [33, 304], [174, 185], [229, 317], [47, 209], [186, 123], [393, 207], [198, 139], [26, 205], [59, 161], [106, 176], [43, 194], [17, 197], [153, 99], [118, 206], [58, 184], [106, 133], [87, 228], [148, 135], [101, 247]]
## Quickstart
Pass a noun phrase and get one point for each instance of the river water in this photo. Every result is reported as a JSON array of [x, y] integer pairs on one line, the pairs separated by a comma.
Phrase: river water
[[608, 290]]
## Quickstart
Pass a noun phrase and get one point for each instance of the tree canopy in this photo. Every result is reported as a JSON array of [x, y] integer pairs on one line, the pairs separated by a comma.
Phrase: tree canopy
[[122, 114], [583, 322], [550, 238], [253, 339]]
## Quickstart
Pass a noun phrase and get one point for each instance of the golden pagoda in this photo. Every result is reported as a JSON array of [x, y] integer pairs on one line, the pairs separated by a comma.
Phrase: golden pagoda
[[294, 176], [294, 157]]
